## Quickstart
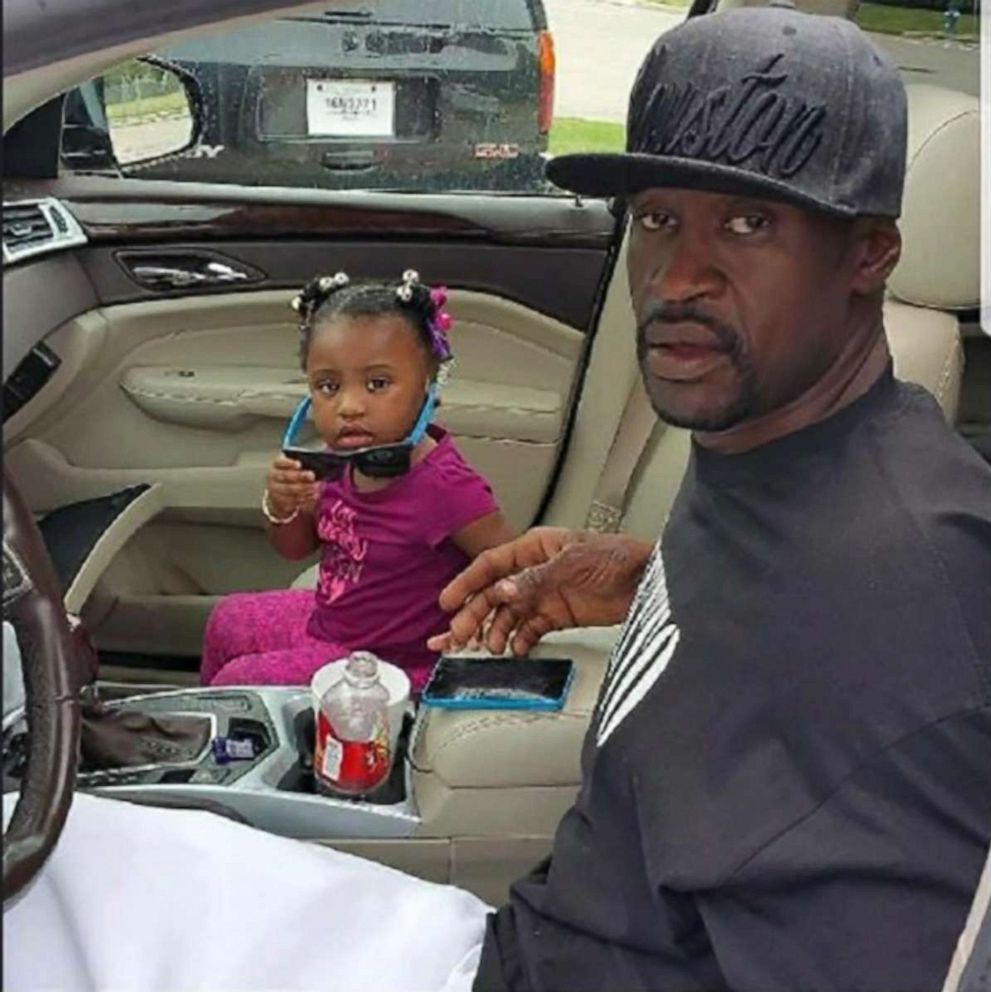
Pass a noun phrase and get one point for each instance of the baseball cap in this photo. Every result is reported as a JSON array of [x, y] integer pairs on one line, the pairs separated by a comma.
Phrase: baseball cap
[[763, 101]]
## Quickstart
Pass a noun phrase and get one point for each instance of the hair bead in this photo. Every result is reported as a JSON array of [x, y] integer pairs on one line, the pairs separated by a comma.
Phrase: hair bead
[[422, 306]]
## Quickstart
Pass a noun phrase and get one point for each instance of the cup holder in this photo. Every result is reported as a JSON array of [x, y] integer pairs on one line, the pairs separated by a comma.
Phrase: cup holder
[[300, 776]]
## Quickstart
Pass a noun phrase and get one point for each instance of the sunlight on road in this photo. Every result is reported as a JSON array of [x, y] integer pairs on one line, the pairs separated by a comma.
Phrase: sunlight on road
[[600, 45]]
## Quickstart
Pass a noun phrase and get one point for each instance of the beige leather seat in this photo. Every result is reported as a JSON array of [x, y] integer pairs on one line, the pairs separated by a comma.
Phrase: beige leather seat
[[484, 773]]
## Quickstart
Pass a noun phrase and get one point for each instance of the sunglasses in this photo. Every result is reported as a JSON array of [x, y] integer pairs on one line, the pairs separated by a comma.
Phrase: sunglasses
[[382, 461]]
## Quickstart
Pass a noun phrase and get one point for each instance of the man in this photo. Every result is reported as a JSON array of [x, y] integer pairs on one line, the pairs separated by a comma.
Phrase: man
[[787, 779]]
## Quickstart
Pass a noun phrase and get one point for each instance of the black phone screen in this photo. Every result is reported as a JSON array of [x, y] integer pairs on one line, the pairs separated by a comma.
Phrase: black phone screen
[[523, 682]]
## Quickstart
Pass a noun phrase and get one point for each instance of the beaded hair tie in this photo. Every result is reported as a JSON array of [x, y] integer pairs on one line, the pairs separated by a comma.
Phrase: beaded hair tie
[[438, 320]]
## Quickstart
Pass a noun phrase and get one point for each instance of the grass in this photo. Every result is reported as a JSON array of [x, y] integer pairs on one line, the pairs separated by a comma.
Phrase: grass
[[889, 20], [575, 134], [149, 106], [908, 20]]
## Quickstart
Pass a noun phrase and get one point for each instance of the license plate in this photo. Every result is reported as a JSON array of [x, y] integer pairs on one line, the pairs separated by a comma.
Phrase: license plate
[[350, 108]]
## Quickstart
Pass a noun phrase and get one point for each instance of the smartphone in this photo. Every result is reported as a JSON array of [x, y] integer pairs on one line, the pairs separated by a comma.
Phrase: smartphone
[[499, 683]]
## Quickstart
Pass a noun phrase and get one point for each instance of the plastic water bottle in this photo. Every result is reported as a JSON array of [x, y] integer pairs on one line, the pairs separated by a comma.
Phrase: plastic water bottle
[[352, 754]]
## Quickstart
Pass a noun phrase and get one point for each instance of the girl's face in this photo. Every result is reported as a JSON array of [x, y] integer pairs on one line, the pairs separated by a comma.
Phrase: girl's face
[[368, 378]]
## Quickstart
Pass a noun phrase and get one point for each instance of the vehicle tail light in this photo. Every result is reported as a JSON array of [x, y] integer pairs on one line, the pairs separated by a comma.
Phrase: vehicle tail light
[[545, 91]]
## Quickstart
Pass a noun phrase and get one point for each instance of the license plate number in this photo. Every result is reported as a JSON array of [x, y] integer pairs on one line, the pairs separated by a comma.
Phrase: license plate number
[[350, 108]]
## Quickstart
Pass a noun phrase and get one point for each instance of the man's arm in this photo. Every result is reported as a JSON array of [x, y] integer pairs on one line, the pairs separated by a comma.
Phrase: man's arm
[[550, 578]]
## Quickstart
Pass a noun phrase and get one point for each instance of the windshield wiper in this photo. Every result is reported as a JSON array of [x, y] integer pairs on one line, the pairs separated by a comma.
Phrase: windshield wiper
[[358, 14]]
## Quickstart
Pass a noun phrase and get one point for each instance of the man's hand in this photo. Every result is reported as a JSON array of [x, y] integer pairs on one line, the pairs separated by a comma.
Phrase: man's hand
[[290, 487], [551, 578]]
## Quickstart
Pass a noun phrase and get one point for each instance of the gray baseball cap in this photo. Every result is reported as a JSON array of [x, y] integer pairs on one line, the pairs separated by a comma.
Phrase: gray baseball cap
[[761, 101]]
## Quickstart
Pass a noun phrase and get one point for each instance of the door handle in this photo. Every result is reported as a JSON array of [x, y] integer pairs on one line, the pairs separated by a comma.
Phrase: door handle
[[167, 277], [174, 277], [185, 270], [350, 161], [222, 272]]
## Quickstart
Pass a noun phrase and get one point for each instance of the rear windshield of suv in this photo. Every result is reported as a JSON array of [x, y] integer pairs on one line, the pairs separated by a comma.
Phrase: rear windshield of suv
[[450, 96], [516, 15]]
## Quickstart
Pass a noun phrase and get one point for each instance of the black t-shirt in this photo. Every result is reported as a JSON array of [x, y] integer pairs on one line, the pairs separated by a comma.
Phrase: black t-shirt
[[786, 784]]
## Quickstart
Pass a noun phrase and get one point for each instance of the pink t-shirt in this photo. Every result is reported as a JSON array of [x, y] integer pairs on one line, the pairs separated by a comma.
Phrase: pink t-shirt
[[387, 554]]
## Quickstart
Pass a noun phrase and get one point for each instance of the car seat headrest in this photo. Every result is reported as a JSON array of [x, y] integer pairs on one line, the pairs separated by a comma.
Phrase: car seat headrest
[[940, 222]]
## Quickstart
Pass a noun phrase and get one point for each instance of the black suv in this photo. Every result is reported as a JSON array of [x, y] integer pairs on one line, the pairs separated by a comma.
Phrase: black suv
[[373, 94]]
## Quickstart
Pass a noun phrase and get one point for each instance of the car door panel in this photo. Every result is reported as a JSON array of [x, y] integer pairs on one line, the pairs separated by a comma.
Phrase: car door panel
[[124, 423], [230, 398], [210, 381], [30, 308], [191, 390]]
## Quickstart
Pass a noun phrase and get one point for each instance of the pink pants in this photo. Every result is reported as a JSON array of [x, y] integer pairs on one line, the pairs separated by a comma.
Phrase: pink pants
[[260, 638]]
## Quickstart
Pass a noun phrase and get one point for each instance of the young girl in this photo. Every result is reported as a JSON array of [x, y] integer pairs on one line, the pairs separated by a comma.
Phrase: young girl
[[372, 354]]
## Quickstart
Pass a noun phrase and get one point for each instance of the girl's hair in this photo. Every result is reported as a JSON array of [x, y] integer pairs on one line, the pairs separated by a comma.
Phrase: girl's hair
[[326, 297]]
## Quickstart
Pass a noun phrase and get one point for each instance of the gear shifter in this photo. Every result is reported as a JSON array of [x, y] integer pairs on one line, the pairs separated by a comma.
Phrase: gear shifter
[[123, 738]]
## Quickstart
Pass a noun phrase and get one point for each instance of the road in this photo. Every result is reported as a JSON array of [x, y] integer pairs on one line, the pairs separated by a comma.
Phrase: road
[[599, 46], [952, 65], [134, 142], [601, 43]]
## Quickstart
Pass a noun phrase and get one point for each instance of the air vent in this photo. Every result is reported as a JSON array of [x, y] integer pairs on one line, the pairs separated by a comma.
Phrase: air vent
[[36, 227]]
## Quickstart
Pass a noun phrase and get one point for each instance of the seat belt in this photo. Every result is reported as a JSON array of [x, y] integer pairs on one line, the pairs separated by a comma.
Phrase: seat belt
[[612, 492], [972, 958]]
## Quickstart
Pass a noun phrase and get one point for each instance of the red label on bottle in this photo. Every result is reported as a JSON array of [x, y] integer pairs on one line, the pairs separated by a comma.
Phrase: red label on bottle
[[351, 766]]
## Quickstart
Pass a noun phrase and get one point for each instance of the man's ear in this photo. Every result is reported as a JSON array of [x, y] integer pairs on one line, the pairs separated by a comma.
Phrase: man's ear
[[877, 248]]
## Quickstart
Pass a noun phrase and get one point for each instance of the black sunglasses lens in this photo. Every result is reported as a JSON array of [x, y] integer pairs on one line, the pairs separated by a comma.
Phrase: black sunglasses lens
[[323, 464], [385, 462]]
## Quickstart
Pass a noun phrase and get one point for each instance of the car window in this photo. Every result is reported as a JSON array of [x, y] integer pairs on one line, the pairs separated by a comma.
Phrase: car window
[[426, 96], [373, 94]]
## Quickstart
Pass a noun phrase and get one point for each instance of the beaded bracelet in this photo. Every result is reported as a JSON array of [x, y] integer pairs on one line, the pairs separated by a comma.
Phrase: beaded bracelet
[[271, 517]]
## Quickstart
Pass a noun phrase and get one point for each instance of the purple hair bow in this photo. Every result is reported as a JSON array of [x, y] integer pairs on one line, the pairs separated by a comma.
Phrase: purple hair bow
[[439, 324]]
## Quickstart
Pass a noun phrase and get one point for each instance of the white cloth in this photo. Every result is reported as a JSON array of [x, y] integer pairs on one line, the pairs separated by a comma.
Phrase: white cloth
[[142, 898]]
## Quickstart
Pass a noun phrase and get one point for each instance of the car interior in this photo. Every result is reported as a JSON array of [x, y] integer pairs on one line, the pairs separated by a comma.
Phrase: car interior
[[140, 419]]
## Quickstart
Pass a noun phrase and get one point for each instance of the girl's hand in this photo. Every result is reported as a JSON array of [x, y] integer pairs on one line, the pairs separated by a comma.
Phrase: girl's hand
[[290, 487]]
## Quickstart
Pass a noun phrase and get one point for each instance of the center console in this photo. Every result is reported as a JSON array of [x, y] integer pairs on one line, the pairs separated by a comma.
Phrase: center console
[[265, 775], [474, 798]]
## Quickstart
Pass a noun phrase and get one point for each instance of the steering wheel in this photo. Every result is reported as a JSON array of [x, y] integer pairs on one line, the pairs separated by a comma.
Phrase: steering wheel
[[32, 602]]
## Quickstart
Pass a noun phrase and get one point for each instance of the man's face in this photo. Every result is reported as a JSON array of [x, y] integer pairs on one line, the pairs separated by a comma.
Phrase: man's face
[[741, 304]]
